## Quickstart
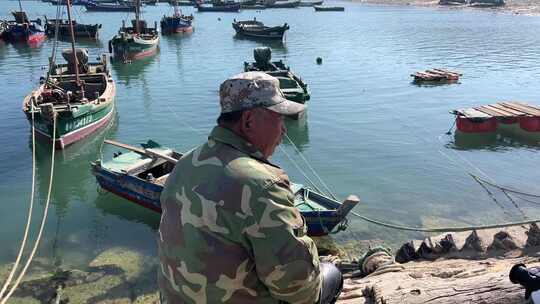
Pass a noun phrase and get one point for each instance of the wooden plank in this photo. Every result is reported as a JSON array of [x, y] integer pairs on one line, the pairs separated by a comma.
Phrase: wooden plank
[[472, 113], [489, 111], [522, 108], [528, 105], [506, 109], [449, 72], [501, 112], [147, 152]]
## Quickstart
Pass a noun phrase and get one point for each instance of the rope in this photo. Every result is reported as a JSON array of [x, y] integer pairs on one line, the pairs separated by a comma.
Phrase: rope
[[505, 188], [312, 184], [42, 226], [30, 208], [310, 167], [443, 229]]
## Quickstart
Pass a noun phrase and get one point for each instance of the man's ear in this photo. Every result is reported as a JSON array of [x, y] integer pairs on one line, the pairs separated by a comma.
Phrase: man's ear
[[247, 121]]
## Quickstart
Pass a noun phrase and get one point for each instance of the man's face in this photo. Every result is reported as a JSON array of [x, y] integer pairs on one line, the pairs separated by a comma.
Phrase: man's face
[[265, 130]]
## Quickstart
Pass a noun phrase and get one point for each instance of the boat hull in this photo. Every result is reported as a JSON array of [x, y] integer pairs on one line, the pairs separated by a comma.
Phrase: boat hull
[[71, 126], [79, 30], [21, 33], [274, 33], [176, 26], [129, 49], [108, 8], [146, 194], [224, 8]]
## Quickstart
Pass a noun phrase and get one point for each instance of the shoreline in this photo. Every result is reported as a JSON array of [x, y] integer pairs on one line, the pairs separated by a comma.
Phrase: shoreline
[[516, 7]]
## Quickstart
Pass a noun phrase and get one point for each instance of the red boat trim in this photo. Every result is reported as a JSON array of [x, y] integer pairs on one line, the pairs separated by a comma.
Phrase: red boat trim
[[132, 198]]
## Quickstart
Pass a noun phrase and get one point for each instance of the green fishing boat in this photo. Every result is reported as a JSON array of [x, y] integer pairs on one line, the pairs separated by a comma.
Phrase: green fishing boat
[[292, 86], [135, 42], [73, 100]]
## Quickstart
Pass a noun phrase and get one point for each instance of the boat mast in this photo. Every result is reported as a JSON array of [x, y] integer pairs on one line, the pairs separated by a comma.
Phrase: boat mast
[[75, 61], [176, 12], [137, 16], [20, 6]]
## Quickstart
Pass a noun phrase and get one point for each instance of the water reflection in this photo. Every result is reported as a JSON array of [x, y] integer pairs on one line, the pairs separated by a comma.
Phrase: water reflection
[[127, 72], [71, 168], [496, 141], [114, 205], [298, 132], [277, 46]]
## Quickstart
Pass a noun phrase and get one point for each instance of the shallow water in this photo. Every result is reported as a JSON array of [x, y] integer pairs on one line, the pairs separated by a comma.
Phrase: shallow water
[[368, 130]]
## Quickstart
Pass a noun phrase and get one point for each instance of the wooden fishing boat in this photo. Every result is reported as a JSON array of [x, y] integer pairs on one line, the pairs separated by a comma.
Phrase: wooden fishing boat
[[23, 29], [257, 29], [135, 42], [140, 174], [292, 86], [64, 2], [283, 4], [120, 6], [310, 3], [79, 30], [227, 7], [486, 3], [177, 23], [510, 116], [436, 75], [319, 8], [74, 100]]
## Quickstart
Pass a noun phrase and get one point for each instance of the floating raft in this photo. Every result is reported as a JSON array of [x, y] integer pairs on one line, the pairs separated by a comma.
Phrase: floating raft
[[489, 118], [440, 75]]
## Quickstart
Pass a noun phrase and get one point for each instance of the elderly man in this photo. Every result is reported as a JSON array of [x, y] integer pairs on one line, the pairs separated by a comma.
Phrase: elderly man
[[229, 231]]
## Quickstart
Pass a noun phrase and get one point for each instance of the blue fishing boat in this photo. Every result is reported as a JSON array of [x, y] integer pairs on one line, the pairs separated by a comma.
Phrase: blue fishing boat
[[177, 23], [23, 29], [140, 174]]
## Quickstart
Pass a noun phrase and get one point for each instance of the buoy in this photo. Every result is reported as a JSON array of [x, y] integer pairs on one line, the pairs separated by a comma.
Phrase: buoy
[[319, 60]]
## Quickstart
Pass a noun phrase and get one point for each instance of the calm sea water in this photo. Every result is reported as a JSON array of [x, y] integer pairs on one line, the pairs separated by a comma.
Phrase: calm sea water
[[368, 131]]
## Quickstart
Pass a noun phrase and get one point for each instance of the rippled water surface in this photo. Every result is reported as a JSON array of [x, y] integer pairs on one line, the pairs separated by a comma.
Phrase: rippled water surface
[[368, 131]]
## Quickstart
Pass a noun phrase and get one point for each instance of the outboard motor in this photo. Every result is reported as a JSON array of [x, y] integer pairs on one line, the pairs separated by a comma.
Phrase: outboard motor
[[528, 278], [262, 55], [82, 59]]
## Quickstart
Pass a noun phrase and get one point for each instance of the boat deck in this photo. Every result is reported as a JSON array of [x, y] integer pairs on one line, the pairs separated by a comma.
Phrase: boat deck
[[509, 109], [436, 75]]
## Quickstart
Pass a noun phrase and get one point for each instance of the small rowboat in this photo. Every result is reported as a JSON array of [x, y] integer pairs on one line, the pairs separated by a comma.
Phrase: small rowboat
[[283, 4], [139, 176], [311, 3], [257, 29], [79, 30], [229, 7], [436, 75], [319, 8], [109, 7]]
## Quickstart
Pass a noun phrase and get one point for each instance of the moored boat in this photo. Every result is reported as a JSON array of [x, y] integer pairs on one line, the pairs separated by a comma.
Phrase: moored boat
[[282, 4], [177, 23], [135, 42], [79, 30], [80, 101], [319, 8], [292, 86], [257, 29], [436, 76], [231, 7], [23, 29], [309, 3], [109, 6], [140, 174]]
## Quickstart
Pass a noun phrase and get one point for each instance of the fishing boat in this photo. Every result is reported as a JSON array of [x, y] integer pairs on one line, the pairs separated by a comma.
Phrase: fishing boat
[[231, 7], [292, 86], [177, 23], [140, 174], [135, 42], [79, 30], [3, 28], [282, 4], [64, 2], [23, 29], [257, 29], [309, 3], [74, 100], [319, 8], [120, 6]]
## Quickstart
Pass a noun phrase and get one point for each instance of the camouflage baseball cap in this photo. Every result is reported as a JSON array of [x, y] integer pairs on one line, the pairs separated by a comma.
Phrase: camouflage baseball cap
[[255, 89]]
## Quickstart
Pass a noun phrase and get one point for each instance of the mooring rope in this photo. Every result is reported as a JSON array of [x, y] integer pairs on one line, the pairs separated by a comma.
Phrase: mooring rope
[[42, 226], [30, 208], [506, 189]]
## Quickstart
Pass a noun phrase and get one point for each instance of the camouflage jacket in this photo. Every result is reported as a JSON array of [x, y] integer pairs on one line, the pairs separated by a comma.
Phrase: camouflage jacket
[[229, 231]]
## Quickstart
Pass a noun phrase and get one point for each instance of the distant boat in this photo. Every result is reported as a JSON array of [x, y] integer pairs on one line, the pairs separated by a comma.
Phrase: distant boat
[[310, 3], [486, 3], [225, 7], [328, 8], [135, 42], [79, 30], [64, 2], [177, 23], [256, 29], [110, 7], [140, 174], [283, 4], [23, 29]]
